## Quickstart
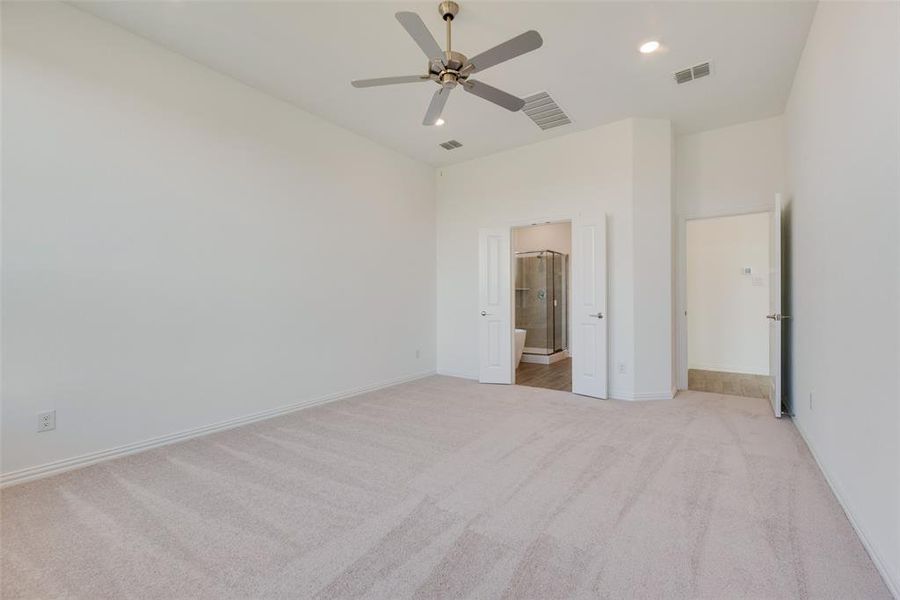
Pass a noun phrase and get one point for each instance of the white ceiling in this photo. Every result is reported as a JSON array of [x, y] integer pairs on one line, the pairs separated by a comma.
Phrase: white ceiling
[[307, 53]]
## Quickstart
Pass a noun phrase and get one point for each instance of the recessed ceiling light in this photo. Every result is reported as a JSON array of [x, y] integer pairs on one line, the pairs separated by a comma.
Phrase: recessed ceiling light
[[648, 47], [439, 122]]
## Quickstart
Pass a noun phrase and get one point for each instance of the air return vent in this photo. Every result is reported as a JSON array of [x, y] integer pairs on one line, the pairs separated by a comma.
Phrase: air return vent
[[451, 145], [544, 111], [695, 72]]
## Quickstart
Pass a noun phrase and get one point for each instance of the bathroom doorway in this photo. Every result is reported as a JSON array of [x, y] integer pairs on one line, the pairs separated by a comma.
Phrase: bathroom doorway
[[541, 305]]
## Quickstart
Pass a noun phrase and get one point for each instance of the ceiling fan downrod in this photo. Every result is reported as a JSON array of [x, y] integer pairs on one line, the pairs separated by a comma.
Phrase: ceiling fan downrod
[[453, 62], [448, 10]]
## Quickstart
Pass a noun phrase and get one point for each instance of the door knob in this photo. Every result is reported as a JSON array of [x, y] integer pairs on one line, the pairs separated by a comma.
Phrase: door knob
[[485, 314], [599, 315], [778, 317]]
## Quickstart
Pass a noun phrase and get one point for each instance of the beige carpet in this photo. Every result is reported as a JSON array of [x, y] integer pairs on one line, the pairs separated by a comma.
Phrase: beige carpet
[[442, 488]]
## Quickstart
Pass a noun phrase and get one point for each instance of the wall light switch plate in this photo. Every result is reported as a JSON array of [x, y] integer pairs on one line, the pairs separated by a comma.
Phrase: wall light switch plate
[[46, 420]]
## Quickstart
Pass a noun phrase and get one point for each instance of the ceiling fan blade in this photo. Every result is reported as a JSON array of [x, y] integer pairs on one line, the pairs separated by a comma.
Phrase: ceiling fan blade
[[437, 106], [492, 94], [517, 46], [363, 83], [416, 28]]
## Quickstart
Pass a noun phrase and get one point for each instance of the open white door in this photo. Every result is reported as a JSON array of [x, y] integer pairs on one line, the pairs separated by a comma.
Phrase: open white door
[[775, 317], [589, 324], [495, 332]]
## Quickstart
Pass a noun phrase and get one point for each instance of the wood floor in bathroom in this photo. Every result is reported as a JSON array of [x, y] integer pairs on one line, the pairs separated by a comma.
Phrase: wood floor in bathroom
[[557, 376]]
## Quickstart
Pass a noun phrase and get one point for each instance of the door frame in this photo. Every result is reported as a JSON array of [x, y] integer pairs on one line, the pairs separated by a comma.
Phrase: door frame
[[680, 316], [517, 224]]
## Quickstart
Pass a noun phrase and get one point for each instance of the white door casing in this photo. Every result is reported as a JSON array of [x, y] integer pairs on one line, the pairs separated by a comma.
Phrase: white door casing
[[775, 317], [589, 318], [495, 332]]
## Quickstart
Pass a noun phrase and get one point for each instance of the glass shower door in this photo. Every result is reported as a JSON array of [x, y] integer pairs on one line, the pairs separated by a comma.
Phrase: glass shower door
[[535, 302]]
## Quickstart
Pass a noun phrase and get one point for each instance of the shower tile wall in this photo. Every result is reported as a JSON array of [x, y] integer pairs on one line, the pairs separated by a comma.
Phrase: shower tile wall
[[532, 301]]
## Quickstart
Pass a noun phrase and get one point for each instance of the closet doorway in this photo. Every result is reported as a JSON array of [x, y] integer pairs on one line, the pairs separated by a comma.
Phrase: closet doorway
[[727, 287]]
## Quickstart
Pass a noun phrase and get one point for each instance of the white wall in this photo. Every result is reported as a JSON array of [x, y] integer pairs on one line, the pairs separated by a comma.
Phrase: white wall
[[735, 169], [585, 173], [843, 133], [727, 328], [180, 249], [652, 205], [728, 171]]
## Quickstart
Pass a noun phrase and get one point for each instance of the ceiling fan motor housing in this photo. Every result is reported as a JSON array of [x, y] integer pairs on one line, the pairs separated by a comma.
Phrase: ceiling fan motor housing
[[449, 73]]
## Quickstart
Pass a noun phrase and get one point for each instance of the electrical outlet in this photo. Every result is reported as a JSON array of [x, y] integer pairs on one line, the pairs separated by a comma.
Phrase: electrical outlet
[[622, 369], [46, 420], [418, 353]]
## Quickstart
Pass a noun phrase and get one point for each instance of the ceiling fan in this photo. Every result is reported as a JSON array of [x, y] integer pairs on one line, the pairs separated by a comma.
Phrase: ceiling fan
[[449, 69]]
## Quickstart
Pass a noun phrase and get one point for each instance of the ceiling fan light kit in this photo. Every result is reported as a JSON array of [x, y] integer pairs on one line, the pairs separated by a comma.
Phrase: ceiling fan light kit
[[449, 68]]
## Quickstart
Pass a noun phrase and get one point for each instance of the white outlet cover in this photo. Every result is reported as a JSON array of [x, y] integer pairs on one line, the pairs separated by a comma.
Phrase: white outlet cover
[[46, 420]]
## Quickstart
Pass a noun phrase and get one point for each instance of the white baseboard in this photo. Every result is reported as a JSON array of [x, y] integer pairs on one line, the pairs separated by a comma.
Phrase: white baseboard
[[459, 374], [639, 396], [891, 579], [619, 394], [69, 464], [664, 395], [729, 369]]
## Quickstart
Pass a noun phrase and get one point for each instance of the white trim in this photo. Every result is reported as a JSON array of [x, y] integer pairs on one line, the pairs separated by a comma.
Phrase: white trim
[[458, 374], [641, 396], [69, 464], [619, 394], [727, 369], [665, 395], [891, 580]]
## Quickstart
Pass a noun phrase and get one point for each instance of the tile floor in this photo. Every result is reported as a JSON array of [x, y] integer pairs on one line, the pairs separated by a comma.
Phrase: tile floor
[[735, 384]]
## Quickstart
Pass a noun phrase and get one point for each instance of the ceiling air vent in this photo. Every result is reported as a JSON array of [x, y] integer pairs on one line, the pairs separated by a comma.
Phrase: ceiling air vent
[[695, 72], [544, 111], [451, 145], [684, 76], [701, 70]]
